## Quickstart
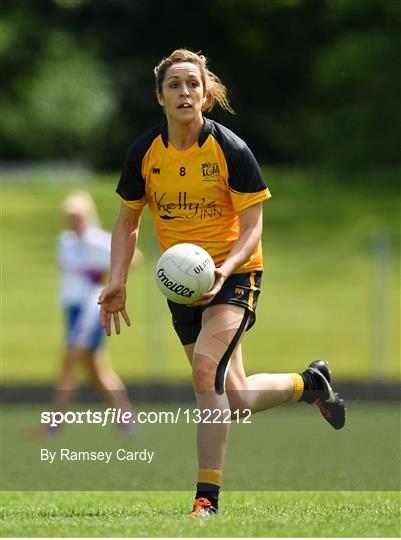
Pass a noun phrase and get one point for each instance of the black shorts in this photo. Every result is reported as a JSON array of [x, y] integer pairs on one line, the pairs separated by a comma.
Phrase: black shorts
[[238, 289]]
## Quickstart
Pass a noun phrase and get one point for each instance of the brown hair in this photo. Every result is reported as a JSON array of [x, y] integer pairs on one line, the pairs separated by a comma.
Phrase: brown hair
[[214, 89]]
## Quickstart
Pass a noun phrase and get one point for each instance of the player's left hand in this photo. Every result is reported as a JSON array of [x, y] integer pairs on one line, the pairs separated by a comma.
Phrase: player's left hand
[[208, 296]]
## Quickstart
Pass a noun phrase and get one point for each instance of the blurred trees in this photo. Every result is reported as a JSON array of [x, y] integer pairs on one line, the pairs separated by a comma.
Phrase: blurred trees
[[312, 81], [354, 117]]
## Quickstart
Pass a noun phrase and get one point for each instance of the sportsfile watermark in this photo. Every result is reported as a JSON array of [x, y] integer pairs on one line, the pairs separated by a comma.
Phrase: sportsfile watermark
[[88, 448], [116, 416]]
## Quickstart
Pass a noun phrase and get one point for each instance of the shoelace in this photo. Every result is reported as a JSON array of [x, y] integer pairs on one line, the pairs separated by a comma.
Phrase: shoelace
[[200, 504]]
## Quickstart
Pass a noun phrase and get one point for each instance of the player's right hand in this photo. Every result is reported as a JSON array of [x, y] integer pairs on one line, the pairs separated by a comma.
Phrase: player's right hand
[[112, 303], [208, 296]]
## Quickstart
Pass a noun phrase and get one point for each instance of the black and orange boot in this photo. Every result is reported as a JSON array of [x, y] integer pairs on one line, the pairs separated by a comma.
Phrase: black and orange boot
[[318, 391], [203, 507]]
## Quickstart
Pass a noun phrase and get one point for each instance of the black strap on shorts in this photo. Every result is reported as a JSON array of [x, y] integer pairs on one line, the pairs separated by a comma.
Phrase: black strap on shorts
[[221, 368]]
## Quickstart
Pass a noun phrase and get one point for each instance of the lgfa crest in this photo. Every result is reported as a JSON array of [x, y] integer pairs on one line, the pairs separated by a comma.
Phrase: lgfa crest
[[210, 170]]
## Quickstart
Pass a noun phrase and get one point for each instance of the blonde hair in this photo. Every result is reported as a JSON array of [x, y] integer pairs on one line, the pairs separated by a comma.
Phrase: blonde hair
[[215, 91], [80, 202]]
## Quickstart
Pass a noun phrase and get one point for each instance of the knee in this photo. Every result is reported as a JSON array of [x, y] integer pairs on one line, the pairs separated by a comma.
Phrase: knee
[[203, 372]]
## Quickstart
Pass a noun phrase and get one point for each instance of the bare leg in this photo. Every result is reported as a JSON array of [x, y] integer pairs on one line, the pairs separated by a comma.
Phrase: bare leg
[[66, 384], [256, 392], [65, 387], [107, 380], [211, 437], [219, 325], [206, 439]]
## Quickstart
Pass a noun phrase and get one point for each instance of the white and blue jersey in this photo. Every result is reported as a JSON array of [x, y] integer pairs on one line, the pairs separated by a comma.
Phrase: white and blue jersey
[[84, 261]]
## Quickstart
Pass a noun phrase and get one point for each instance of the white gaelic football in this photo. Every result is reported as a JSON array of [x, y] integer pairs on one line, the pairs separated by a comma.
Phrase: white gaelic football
[[184, 272]]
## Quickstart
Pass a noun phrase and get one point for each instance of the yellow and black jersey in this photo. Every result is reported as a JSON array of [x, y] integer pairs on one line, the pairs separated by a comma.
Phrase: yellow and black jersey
[[195, 194]]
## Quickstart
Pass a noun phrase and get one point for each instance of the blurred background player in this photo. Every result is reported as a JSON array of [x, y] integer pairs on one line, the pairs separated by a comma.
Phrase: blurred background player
[[83, 255]]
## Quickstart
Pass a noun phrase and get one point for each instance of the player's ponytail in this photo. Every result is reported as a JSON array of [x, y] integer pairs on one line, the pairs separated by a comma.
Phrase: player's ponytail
[[215, 90]]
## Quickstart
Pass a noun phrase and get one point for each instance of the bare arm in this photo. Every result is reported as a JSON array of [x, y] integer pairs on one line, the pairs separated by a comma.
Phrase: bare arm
[[123, 243], [251, 224]]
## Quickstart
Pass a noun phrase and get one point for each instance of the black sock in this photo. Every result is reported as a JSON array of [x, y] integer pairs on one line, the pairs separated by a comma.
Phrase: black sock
[[313, 385], [209, 491]]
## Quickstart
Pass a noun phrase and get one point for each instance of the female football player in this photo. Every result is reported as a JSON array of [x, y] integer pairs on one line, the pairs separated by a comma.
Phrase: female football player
[[203, 186], [84, 258]]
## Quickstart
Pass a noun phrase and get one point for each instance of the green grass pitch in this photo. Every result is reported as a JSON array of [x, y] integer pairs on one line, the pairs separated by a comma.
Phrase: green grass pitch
[[165, 514], [358, 458], [316, 296], [316, 301]]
